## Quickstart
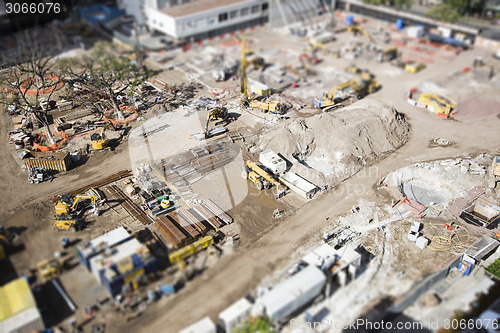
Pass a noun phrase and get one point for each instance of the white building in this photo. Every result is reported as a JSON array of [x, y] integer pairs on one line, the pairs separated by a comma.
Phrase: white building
[[234, 315], [197, 19]]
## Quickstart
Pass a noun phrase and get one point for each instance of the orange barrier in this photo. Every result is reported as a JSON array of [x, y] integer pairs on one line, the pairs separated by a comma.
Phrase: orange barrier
[[124, 121], [217, 91], [40, 91], [53, 147]]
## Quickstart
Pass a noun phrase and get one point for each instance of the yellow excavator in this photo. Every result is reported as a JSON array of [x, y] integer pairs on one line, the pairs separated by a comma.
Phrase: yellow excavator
[[69, 210], [358, 87], [98, 139], [246, 101], [357, 29], [217, 113]]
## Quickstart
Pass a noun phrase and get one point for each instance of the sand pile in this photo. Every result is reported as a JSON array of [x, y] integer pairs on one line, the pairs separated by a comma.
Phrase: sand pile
[[330, 147]]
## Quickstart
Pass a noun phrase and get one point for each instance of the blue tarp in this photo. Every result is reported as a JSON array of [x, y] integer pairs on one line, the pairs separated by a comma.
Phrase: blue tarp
[[100, 13]]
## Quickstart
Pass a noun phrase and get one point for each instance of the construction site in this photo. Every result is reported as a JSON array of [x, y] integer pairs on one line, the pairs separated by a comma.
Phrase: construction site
[[313, 168]]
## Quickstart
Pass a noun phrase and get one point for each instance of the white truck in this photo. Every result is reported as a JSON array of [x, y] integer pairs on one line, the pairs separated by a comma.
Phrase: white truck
[[272, 162]]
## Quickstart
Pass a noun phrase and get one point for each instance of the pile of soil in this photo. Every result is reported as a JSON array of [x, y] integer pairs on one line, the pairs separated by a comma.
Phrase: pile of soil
[[330, 147]]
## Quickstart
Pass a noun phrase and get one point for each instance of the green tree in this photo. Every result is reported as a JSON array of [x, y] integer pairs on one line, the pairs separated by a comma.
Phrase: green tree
[[255, 325], [444, 12], [28, 81], [105, 69]]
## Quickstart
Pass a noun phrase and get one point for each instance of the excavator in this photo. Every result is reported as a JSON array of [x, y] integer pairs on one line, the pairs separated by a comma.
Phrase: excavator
[[69, 210], [356, 29], [98, 139], [217, 113], [8, 241], [246, 101], [257, 174], [358, 87]]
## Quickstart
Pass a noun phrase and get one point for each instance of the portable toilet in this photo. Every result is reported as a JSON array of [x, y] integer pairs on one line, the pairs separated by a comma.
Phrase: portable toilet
[[400, 24], [349, 20]]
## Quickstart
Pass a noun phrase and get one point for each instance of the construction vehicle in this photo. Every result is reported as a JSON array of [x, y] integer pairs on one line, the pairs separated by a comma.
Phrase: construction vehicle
[[314, 46], [438, 104], [494, 175], [8, 241], [262, 179], [98, 139], [267, 106], [180, 255], [388, 54], [358, 87], [357, 29], [308, 58], [413, 67], [69, 210], [217, 113], [38, 175], [49, 269]]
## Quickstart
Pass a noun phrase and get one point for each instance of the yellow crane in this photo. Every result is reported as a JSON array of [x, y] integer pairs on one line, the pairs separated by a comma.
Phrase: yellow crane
[[246, 101], [68, 209]]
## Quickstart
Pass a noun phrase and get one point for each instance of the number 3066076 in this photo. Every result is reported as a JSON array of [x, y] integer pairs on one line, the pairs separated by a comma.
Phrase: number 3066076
[[32, 8]]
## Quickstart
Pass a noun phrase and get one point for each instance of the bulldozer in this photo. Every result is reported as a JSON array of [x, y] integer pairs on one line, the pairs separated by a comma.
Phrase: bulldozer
[[437, 103], [69, 210], [98, 139]]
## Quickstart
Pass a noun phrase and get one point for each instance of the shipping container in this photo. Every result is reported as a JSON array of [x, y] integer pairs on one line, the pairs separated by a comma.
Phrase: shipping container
[[299, 185], [58, 161]]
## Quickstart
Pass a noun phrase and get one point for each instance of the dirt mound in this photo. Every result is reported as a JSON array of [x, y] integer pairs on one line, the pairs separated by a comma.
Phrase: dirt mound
[[439, 182], [330, 147]]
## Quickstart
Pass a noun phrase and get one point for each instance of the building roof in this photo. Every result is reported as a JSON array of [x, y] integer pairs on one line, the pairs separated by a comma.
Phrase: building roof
[[296, 291], [15, 297], [203, 326], [197, 6], [238, 308], [482, 247], [104, 241]]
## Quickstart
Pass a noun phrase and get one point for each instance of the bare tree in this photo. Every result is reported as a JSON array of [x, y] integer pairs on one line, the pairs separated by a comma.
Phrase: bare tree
[[105, 69], [28, 79]]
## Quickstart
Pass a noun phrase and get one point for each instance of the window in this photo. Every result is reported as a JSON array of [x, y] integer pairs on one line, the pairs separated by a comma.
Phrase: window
[[222, 17], [255, 9], [233, 14], [265, 6], [244, 11]]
